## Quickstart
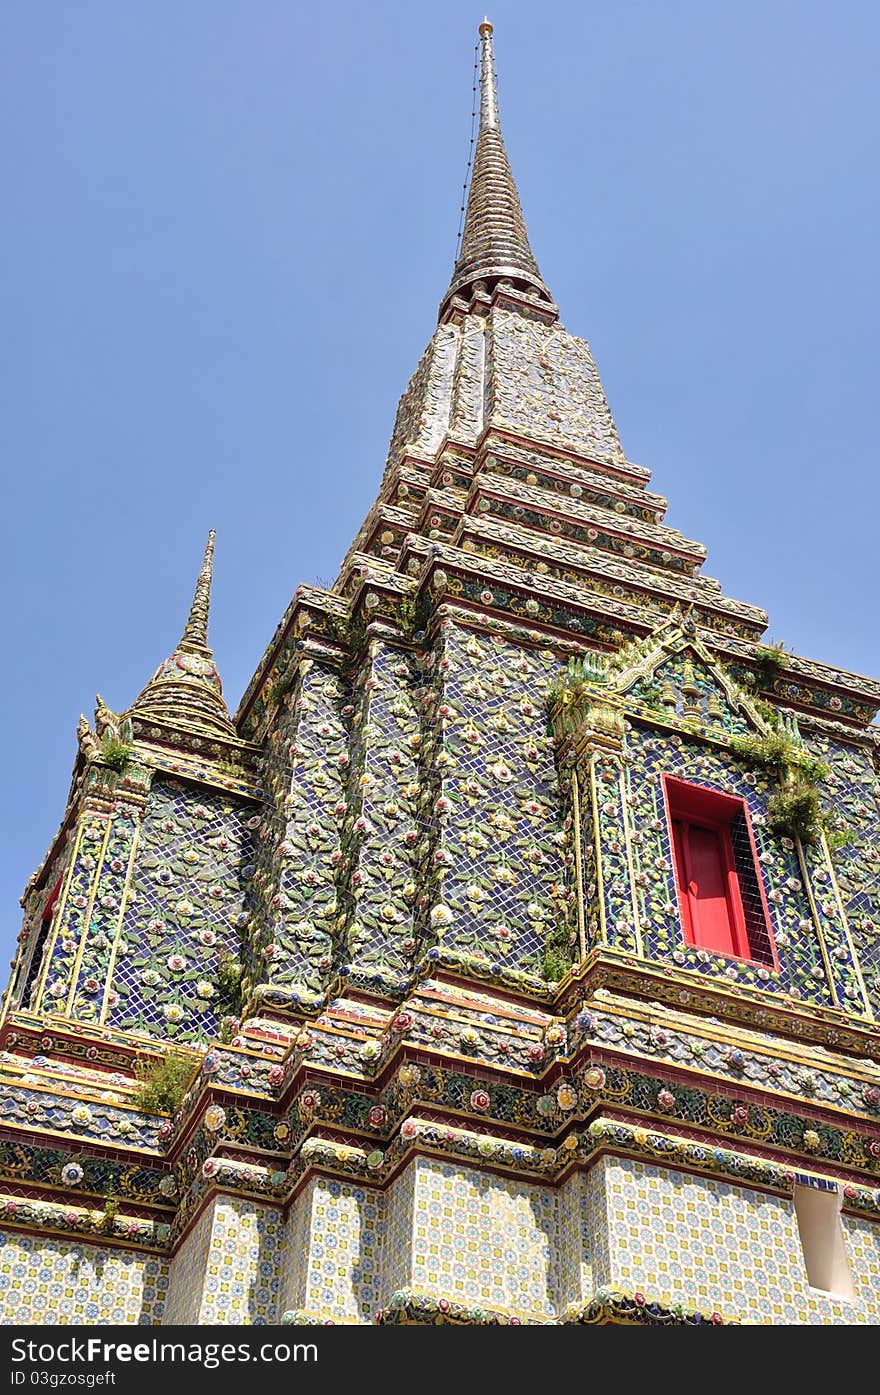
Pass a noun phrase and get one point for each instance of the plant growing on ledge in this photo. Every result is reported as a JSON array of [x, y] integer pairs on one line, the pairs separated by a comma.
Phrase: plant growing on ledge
[[556, 960], [337, 628], [768, 660], [229, 972], [231, 769], [276, 692], [162, 1084], [794, 810], [780, 753], [413, 614], [115, 753]]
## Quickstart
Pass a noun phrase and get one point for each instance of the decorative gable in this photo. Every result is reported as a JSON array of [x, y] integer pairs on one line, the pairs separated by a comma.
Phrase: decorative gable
[[688, 687], [671, 673]]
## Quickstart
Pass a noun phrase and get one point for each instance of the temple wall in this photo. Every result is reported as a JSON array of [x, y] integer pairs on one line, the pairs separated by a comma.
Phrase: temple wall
[[53, 1281], [852, 792], [500, 863], [383, 827], [484, 1240], [73, 978], [293, 938], [332, 1263], [188, 1273], [816, 963]]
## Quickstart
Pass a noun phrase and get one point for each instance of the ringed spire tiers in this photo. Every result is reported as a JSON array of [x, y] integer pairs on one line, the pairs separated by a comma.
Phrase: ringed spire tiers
[[185, 691], [494, 243]]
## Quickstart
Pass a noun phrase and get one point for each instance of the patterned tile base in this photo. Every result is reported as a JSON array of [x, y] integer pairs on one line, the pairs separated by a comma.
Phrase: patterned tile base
[[51, 1282], [228, 1268], [456, 1234], [334, 1251], [485, 1239]]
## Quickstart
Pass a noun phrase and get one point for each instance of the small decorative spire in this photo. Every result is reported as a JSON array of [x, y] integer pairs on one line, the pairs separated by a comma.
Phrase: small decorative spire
[[185, 692], [196, 630], [494, 242]]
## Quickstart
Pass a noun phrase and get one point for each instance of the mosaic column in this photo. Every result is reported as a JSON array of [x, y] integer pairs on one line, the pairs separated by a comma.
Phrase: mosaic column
[[293, 945], [501, 889], [591, 734], [382, 831], [334, 1252], [227, 1270]]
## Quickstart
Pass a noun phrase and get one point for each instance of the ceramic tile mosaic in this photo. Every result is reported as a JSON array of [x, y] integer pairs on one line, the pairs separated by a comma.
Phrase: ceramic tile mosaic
[[188, 1271], [340, 1254], [499, 866], [46, 1280], [186, 911], [484, 1239], [400, 1207], [582, 1257], [852, 791], [642, 911], [712, 1245], [242, 1281], [384, 814], [294, 1261], [295, 887], [52, 990]]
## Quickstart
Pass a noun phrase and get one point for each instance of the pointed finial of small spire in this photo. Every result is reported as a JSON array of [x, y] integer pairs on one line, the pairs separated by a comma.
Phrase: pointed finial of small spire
[[488, 86], [196, 630]]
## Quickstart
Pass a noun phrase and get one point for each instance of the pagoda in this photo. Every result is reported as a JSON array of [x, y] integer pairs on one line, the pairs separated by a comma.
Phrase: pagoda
[[510, 956]]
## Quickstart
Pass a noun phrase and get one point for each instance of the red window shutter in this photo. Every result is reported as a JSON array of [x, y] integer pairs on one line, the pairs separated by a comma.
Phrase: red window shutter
[[708, 888], [53, 897], [711, 908], [708, 874], [679, 844]]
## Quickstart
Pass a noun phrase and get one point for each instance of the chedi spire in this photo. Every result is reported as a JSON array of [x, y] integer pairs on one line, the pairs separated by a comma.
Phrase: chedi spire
[[185, 691], [494, 243]]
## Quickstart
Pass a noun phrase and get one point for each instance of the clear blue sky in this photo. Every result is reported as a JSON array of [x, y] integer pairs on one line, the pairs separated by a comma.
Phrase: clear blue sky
[[227, 227]]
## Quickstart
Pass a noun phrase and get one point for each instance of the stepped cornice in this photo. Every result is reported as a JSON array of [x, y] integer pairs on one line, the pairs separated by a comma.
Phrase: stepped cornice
[[660, 542], [522, 546]]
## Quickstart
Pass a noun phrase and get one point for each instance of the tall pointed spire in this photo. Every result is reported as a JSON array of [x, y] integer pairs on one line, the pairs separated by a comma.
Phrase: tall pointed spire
[[185, 692], [494, 242], [196, 630]]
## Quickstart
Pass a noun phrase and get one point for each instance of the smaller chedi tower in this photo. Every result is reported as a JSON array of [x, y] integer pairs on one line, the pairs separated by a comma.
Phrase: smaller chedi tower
[[510, 956]]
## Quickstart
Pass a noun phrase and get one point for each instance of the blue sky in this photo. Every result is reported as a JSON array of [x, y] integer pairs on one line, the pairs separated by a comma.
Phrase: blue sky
[[227, 229]]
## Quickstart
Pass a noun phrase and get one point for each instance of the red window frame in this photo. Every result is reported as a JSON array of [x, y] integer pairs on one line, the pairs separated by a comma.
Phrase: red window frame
[[693, 805]]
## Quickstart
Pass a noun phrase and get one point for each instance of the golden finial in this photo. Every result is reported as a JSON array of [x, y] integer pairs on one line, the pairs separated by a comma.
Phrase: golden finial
[[486, 28]]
